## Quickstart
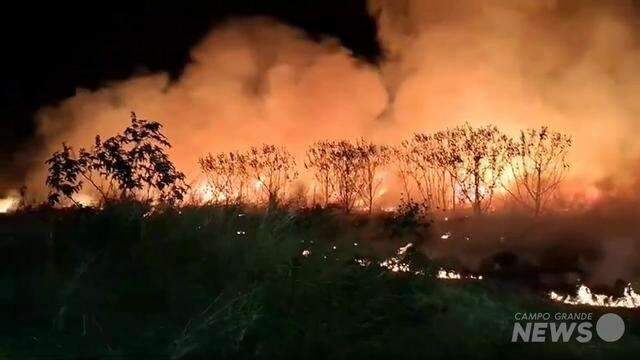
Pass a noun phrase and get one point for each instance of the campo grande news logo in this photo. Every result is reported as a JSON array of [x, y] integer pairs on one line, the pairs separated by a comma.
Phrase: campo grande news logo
[[565, 327]]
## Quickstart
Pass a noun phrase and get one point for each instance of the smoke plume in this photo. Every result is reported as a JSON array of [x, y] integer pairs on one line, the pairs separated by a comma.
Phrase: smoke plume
[[571, 65], [249, 82]]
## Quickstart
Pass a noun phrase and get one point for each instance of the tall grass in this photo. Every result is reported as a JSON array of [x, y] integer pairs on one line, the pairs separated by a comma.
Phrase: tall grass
[[212, 282]]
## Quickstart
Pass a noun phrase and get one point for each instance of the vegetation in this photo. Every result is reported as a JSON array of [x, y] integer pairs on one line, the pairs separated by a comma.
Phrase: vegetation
[[348, 172], [538, 165], [273, 169], [448, 170], [269, 168], [227, 177], [421, 162], [227, 282], [130, 165], [253, 274]]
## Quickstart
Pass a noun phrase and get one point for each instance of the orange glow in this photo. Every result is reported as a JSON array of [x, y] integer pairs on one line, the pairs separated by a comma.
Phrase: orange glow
[[253, 81], [8, 204], [584, 296]]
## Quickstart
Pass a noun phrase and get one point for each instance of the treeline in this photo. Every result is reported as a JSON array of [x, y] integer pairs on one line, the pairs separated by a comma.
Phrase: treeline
[[450, 169]]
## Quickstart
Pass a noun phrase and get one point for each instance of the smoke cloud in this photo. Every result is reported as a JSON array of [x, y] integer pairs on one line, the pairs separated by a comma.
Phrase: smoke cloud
[[516, 64], [249, 82], [571, 65]]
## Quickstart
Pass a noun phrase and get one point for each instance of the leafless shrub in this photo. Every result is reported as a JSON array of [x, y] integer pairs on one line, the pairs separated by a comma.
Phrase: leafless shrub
[[372, 159], [318, 161], [345, 166], [476, 159], [420, 163], [273, 169], [538, 165], [226, 175]]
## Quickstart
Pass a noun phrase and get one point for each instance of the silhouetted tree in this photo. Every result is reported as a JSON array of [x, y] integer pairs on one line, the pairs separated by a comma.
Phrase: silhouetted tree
[[65, 171], [538, 165], [372, 158], [319, 162], [345, 169], [404, 167], [226, 176], [132, 164], [420, 160], [273, 168], [475, 158]]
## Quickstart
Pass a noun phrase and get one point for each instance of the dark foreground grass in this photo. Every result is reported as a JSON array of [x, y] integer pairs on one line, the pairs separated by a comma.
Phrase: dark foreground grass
[[230, 283]]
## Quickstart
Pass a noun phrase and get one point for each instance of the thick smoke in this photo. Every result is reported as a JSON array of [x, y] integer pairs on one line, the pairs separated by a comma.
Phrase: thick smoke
[[570, 65], [249, 82]]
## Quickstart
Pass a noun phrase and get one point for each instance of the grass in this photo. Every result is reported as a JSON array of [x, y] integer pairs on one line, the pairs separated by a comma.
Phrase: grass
[[207, 282]]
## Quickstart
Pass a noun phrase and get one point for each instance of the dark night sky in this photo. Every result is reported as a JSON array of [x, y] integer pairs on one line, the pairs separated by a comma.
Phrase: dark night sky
[[50, 50]]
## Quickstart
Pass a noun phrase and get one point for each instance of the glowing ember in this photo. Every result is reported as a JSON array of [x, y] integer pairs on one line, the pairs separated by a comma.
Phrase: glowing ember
[[452, 275], [395, 264], [404, 249], [630, 298], [363, 262], [443, 274], [445, 236]]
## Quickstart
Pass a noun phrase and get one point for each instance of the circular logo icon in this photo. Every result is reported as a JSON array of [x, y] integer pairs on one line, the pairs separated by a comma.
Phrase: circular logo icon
[[610, 327]]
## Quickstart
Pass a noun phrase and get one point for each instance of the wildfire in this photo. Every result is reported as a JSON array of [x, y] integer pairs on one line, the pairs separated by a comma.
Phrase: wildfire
[[443, 274], [395, 263], [363, 262], [584, 296], [86, 200], [205, 194], [8, 204], [452, 275], [404, 249]]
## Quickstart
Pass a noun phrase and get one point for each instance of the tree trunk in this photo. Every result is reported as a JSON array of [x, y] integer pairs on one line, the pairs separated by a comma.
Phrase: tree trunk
[[538, 199], [476, 196]]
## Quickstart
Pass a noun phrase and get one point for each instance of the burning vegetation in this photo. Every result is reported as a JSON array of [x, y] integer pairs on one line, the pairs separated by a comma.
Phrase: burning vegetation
[[451, 173], [448, 171], [132, 165], [442, 192], [584, 296]]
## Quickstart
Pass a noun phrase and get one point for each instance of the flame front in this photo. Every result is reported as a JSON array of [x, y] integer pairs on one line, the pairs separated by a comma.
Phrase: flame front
[[584, 296]]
